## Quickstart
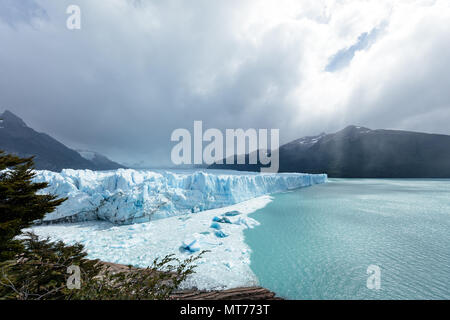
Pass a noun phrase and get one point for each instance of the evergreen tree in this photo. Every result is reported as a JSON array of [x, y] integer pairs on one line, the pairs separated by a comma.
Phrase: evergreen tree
[[20, 204], [33, 268]]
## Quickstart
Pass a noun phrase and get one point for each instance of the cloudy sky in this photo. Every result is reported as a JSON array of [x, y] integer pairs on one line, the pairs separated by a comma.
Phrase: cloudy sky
[[139, 69]]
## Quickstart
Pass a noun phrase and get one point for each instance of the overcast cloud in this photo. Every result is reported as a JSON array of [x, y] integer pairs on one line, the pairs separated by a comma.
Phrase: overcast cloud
[[137, 70]]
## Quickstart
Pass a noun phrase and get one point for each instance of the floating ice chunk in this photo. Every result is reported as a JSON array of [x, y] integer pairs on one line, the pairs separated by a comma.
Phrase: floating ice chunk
[[246, 221], [191, 244], [221, 219], [220, 234], [215, 225], [232, 213]]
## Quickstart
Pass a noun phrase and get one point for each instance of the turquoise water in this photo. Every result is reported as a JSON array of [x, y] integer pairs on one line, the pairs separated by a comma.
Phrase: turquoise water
[[317, 243]]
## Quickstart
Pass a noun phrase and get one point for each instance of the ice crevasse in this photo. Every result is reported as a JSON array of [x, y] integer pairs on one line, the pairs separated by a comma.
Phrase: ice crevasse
[[127, 196]]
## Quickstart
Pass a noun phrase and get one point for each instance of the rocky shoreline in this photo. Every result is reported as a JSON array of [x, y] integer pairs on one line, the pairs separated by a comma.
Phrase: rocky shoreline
[[248, 293], [244, 293]]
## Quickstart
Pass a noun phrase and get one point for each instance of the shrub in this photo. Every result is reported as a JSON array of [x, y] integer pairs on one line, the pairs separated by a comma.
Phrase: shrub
[[40, 272], [36, 269]]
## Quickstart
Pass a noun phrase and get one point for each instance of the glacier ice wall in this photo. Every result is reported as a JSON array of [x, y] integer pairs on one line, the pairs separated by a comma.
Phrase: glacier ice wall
[[127, 196]]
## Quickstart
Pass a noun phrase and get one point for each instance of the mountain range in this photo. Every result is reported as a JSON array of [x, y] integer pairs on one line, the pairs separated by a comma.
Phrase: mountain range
[[354, 152], [17, 138], [359, 152]]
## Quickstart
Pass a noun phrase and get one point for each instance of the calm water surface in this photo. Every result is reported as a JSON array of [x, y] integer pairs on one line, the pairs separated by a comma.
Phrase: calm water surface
[[316, 243]]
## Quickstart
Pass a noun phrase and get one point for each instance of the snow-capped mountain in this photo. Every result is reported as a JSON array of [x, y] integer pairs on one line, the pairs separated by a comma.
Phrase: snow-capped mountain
[[359, 152], [307, 141], [99, 160], [16, 137]]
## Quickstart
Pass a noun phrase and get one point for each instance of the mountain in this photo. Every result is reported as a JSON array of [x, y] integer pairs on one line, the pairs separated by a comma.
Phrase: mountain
[[16, 137], [358, 152], [99, 160]]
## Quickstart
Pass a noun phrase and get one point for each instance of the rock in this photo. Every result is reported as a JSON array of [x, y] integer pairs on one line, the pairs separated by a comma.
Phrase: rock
[[249, 293], [245, 293]]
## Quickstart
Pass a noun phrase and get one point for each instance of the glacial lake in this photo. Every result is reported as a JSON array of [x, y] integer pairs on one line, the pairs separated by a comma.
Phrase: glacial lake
[[317, 242]]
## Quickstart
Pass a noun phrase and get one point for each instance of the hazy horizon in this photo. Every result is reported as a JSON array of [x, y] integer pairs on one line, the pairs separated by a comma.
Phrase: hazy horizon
[[137, 70]]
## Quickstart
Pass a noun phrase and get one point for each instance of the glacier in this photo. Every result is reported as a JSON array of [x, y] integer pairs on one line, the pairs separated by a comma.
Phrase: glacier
[[225, 264], [127, 196]]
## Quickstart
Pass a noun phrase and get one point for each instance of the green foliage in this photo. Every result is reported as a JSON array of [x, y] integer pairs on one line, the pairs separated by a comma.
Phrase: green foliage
[[20, 204], [156, 282], [41, 273], [34, 269]]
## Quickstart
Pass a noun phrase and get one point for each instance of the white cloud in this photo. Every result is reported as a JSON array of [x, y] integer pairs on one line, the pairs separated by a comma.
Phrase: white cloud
[[139, 69]]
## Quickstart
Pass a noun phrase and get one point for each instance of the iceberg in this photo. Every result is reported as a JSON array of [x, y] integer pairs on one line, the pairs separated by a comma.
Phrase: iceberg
[[127, 196], [221, 220], [232, 213], [192, 244], [215, 225], [220, 234]]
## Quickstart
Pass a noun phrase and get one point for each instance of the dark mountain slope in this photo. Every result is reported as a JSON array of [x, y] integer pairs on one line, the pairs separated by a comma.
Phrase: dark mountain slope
[[99, 160], [358, 152], [16, 137]]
